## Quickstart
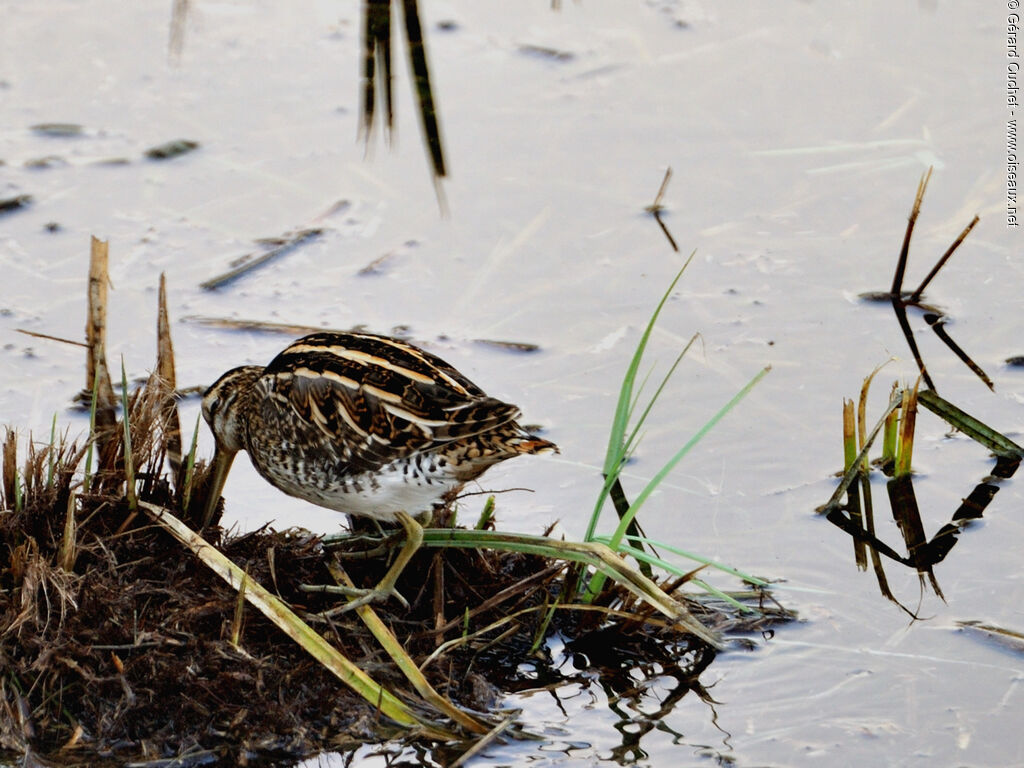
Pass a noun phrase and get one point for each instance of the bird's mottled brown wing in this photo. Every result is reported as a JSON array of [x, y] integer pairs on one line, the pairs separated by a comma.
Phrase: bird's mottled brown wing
[[371, 399]]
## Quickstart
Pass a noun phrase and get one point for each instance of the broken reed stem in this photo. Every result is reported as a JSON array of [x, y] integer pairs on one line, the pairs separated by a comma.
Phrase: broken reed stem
[[835, 501], [915, 211], [10, 466], [850, 424], [849, 436], [96, 334], [169, 421], [890, 433], [908, 411]]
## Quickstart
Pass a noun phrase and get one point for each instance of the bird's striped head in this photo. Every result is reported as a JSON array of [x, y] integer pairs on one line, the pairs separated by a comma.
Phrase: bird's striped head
[[223, 405]]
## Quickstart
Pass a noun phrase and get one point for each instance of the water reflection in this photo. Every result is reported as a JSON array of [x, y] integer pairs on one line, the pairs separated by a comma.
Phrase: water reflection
[[856, 516]]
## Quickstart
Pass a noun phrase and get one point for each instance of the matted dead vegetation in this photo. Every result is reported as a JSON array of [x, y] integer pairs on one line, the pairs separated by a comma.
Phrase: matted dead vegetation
[[117, 641]]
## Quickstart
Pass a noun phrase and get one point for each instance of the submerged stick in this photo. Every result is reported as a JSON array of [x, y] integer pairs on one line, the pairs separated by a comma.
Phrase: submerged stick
[[285, 619], [293, 242]]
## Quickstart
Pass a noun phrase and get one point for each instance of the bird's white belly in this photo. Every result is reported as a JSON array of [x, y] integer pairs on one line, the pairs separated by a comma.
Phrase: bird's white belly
[[378, 495]]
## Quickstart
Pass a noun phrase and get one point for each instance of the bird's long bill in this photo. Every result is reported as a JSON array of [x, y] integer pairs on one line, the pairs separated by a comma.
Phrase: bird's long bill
[[216, 477]]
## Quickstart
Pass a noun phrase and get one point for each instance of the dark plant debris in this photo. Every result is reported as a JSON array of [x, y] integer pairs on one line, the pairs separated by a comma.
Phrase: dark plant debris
[[9, 204], [171, 149], [58, 130], [509, 346], [546, 52]]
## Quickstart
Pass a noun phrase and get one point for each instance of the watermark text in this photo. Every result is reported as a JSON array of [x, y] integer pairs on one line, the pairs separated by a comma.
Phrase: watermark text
[[1013, 74]]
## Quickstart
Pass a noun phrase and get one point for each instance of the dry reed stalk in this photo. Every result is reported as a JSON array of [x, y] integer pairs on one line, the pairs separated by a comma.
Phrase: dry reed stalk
[[96, 369]]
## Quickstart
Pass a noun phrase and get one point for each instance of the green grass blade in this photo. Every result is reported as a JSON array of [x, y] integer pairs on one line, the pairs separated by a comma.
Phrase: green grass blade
[[51, 454], [190, 464], [661, 563], [598, 581], [129, 469], [594, 554], [542, 629], [655, 481], [996, 442], [632, 439], [486, 514], [616, 439]]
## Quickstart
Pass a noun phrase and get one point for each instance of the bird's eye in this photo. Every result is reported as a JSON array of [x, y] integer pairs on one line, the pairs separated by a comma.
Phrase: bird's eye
[[212, 405]]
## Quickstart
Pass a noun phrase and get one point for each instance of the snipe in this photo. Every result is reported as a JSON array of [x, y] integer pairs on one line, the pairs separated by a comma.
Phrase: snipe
[[362, 424]]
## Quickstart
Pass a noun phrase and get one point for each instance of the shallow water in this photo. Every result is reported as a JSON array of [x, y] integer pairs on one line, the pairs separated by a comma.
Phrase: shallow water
[[796, 133]]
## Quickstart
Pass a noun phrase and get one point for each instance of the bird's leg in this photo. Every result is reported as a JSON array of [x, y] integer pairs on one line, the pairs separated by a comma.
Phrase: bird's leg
[[386, 587]]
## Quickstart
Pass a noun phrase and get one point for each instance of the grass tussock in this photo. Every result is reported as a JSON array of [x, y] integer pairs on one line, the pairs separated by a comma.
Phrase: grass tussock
[[117, 641]]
